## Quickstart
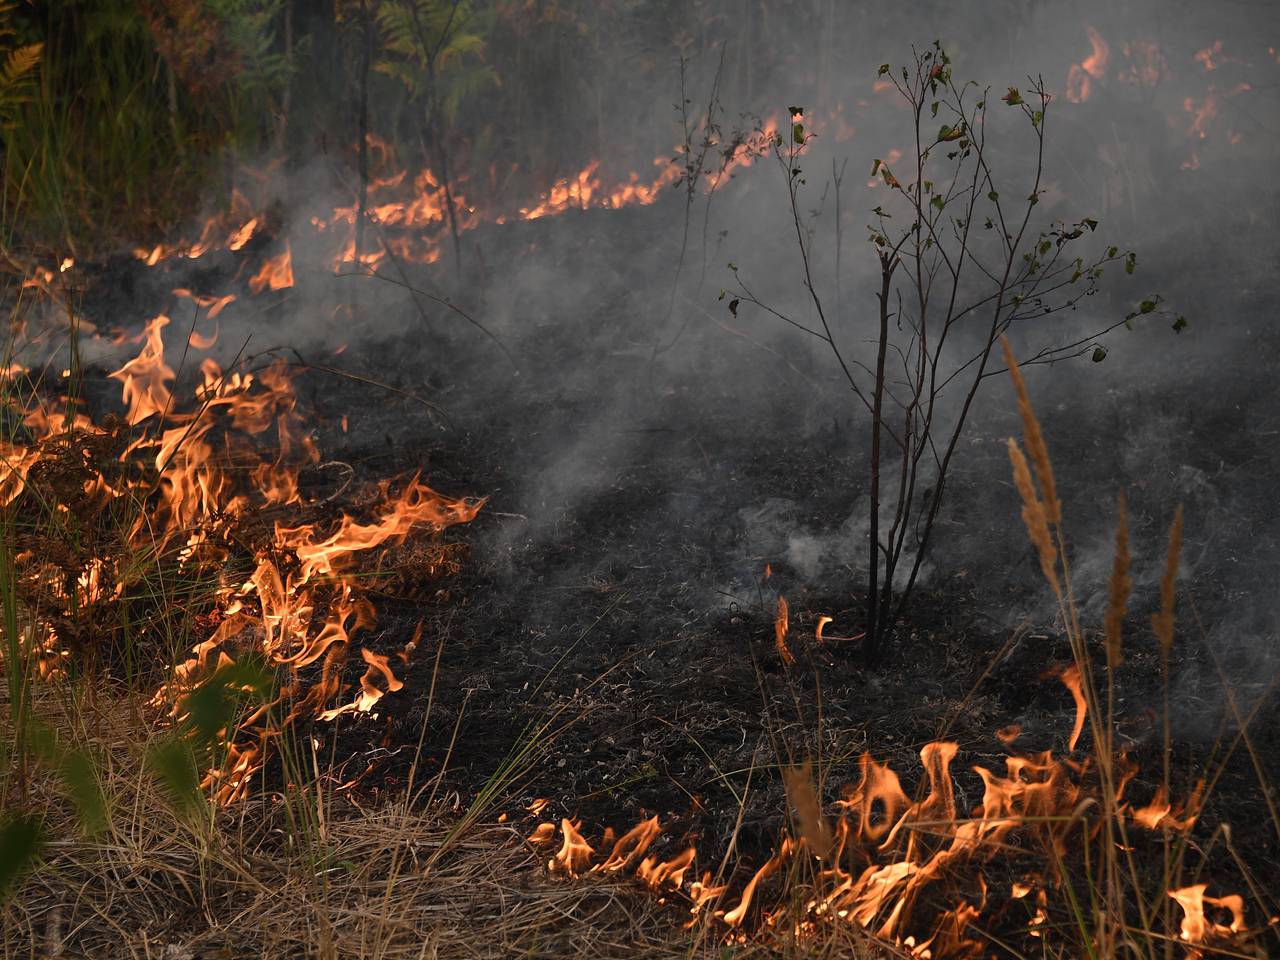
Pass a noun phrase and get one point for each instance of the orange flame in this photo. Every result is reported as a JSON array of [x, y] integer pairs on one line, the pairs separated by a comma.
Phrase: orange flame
[[575, 853], [780, 624], [1093, 67], [275, 274], [1196, 926]]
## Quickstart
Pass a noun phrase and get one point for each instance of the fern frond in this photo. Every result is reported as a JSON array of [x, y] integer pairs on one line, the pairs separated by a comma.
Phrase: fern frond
[[17, 65]]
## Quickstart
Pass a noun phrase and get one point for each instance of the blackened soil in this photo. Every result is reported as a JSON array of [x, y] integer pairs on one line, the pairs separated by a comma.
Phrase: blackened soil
[[613, 611]]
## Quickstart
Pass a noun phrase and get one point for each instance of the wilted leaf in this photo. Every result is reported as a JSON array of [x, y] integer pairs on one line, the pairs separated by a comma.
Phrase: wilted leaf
[[1013, 97], [733, 306]]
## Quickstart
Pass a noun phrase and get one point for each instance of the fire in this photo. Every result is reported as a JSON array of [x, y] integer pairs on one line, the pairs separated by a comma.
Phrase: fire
[[575, 853], [275, 274], [193, 476], [411, 217], [146, 376], [1210, 58], [1199, 928], [1093, 67], [780, 625], [820, 631], [874, 863], [1071, 679]]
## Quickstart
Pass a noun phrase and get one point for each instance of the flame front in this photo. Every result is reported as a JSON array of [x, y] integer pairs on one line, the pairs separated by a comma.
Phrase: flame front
[[201, 473], [885, 851]]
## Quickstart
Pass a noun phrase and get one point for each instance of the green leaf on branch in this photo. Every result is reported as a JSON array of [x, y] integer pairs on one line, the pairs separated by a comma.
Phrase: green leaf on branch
[[1179, 324], [1146, 306], [797, 133], [884, 68], [733, 306], [1013, 98], [1130, 262], [1099, 354]]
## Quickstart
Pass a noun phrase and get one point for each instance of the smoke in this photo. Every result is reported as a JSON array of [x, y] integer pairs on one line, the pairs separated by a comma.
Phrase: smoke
[[630, 428]]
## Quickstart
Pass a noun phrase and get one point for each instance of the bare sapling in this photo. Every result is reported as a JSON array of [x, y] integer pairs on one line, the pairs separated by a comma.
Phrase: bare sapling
[[964, 258]]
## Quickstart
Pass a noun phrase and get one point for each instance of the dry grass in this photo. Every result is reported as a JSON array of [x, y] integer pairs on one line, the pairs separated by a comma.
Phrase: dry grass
[[247, 882], [315, 873]]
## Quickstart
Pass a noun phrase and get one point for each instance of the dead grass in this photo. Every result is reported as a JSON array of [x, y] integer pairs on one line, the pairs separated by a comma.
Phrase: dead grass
[[358, 882]]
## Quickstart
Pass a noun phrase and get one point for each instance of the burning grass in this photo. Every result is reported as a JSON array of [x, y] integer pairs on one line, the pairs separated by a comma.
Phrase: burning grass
[[175, 529], [191, 597], [300, 871]]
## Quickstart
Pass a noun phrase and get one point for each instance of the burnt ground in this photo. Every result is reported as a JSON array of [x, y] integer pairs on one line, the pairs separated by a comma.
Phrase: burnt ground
[[617, 570]]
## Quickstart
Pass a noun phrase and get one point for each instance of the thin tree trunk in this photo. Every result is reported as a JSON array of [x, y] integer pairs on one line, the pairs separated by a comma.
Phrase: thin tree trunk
[[875, 625], [286, 99], [363, 146]]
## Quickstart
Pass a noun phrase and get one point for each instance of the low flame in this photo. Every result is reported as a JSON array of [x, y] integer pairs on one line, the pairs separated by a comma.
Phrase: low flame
[[1082, 75], [872, 865], [1197, 927], [206, 472], [275, 274], [780, 627]]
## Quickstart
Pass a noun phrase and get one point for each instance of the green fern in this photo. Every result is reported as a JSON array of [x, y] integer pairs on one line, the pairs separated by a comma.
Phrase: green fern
[[17, 67], [420, 38]]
